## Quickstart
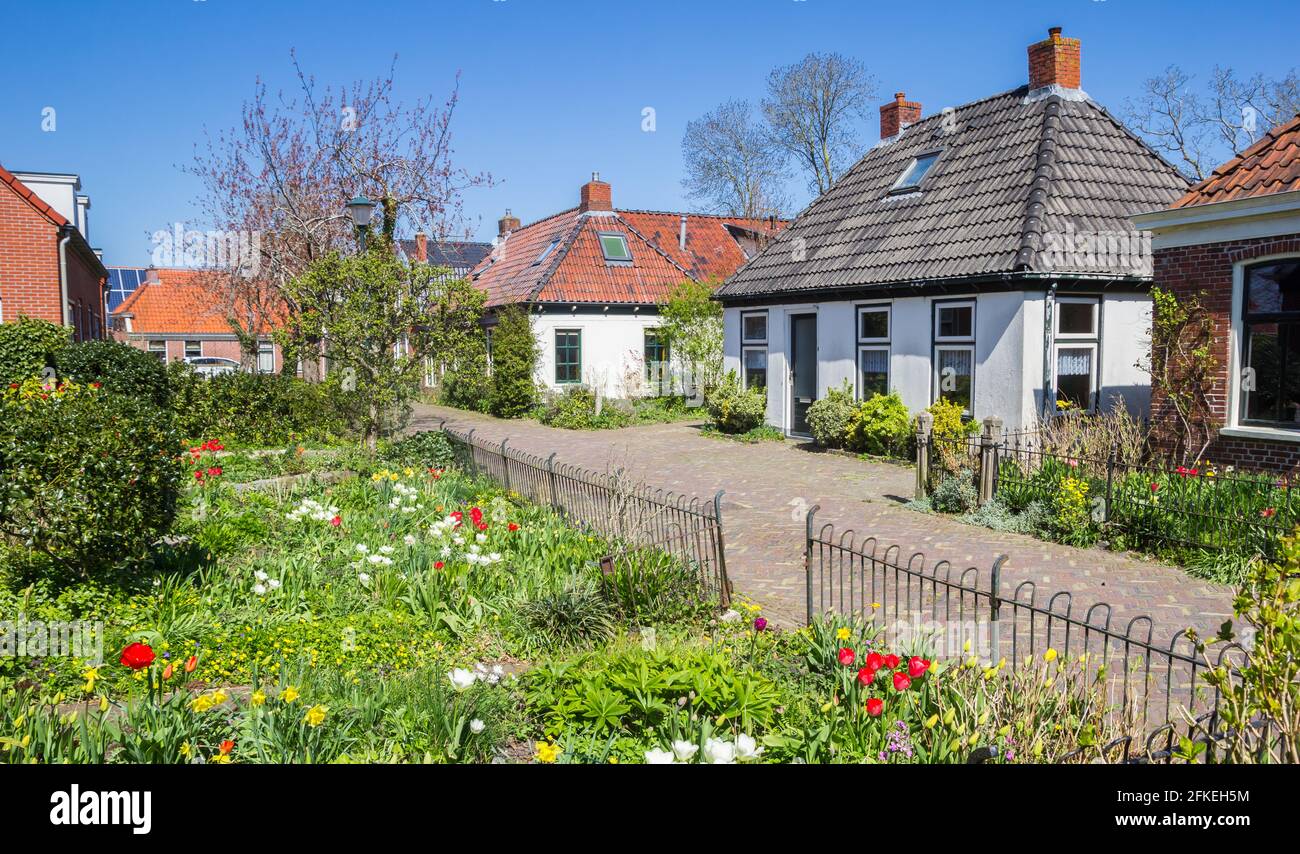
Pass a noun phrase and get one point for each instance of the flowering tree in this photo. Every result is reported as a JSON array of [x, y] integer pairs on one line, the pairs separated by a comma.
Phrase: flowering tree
[[285, 172]]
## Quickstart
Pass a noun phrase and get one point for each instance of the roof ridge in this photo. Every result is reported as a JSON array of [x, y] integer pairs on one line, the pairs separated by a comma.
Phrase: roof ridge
[[560, 252], [655, 247], [132, 298], [1044, 171], [1270, 136]]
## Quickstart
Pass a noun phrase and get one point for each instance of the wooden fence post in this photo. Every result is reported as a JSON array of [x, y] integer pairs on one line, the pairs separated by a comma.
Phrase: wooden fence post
[[924, 423], [989, 458]]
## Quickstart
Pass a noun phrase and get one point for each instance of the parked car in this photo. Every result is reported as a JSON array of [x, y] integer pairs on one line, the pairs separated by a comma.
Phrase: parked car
[[210, 366]]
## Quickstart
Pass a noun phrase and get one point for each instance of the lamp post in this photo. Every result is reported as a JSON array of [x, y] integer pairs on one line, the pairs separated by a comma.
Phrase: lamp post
[[361, 209]]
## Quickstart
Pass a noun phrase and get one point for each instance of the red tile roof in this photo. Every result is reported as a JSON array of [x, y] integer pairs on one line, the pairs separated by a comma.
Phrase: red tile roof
[[575, 270], [1270, 166], [181, 302], [34, 200]]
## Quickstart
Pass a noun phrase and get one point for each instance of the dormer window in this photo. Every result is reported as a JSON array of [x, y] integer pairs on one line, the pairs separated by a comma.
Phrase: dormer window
[[915, 172], [614, 246]]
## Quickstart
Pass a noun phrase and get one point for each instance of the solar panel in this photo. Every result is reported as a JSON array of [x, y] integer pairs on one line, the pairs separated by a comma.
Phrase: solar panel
[[122, 282]]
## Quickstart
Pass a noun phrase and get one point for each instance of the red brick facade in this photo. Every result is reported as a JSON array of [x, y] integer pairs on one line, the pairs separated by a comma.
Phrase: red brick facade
[[1207, 270], [30, 232]]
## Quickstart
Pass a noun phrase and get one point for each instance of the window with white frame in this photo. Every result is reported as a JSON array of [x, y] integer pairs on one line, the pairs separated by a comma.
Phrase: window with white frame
[[954, 352], [753, 349], [193, 349], [1075, 356], [1269, 381], [873, 350], [266, 358], [159, 349]]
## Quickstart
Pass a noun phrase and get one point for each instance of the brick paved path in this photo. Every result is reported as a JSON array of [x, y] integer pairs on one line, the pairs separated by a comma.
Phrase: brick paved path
[[769, 485]]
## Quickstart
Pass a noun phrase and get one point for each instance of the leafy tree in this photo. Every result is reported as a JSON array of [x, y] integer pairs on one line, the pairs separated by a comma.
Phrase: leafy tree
[[376, 314], [457, 342], [692, 320], [514, 364]]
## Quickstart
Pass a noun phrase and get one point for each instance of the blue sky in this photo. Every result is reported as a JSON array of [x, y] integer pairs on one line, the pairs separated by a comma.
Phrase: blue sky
[[551, 89]]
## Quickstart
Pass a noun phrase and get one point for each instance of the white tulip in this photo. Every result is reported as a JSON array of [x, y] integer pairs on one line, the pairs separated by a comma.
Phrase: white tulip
[[260, 575], [476, 726], [387, 550], [747, 748], [259, 589], [363, 548], [719, 752], [461, 679], [274, 583], [364, 578], [685, 751], [409, 540], [658, 757]]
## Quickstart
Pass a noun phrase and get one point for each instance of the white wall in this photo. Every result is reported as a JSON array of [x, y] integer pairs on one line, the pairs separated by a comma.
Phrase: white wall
[[612, 349], [1125, 362]]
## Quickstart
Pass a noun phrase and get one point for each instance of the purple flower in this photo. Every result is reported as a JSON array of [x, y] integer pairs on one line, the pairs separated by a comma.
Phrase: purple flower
[[760, 624]]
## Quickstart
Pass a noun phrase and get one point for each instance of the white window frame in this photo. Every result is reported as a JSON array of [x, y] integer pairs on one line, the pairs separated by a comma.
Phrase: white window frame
[[187, 347], [956, 339], [1233, 427], [1095, 302], [874, 344], [748, 345], [946, 345], [601, 236], [160, 352], [902, 185], [1069, 344], [265, 348], [766, 320]]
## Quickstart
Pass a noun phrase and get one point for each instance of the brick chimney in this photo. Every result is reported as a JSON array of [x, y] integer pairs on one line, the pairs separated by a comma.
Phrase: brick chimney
[[421, 247], [898, 114], [595, 195], [1054, 61], [507, 224]]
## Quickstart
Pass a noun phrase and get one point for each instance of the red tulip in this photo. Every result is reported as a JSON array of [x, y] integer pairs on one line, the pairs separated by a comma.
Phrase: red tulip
[[875, 706], [1155, 487], [198, 474], [227, 746], [336, 521], [847, 657], [1268, 512], [137, 656], [866, 676], [191, 663], [512, 527], [916, 666], [901, 682], [875, 660], [167, 671], [438, 565], [891, 661]]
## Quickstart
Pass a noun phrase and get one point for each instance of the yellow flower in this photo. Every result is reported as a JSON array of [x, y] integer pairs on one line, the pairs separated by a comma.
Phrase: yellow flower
[[220, 759], [219, 696], [290, 694], [1050, 655], [315, 715], [826, 708], [91, 674], [185, 750], [547, 752], [202, 703], [613, 760], [949, 716], [931, 721], [258, 698], [103, 704], [842, 634]]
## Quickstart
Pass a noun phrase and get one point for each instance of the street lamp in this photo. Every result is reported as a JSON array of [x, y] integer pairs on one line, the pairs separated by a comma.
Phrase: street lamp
[[361, 209]]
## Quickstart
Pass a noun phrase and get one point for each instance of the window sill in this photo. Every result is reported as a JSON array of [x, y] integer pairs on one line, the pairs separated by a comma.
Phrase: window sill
[[1271, 434]]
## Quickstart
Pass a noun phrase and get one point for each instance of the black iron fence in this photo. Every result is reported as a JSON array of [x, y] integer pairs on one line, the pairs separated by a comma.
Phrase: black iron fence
[[1149, 506], [1154, 686], [634, 514]]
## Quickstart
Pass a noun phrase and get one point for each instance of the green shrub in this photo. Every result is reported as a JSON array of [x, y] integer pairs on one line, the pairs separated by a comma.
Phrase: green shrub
[[514, 365], [254, 409], [426, 449], [28, 347], [574, 614], [86, 476], [575, 409], [881, 425], [956, 493], [119, 368], [948, 420], [736, 410], [467, 384], [829, 419]]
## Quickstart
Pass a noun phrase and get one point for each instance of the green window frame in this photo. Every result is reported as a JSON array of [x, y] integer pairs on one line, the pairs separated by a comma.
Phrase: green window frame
[[656, 353], [568, 356]]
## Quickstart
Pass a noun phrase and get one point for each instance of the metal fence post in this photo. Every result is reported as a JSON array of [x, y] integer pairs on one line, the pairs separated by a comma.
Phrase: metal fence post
[[550, 472], [924, 423], [995, 607], [469, 449], [1110, 485], [808, 558], [505, 465], [989, 458], [724, 583]]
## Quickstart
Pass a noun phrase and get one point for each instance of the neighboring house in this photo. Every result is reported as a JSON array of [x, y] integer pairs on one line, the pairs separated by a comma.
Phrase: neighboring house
[[172, 314], [1234, 242], [122, 282], [459, 256], [983, 254], [47, 268], [593, 279]]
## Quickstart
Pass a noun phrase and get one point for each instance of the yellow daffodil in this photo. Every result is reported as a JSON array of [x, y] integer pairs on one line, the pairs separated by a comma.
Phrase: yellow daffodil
[[103, 704], [202, 703], [547, 752], [289, 694], [1050, 655], [220, 759], [931, 721], [258, 698], [91, 674], [842, 634], [185, 750], [219, 696], [315, 716]]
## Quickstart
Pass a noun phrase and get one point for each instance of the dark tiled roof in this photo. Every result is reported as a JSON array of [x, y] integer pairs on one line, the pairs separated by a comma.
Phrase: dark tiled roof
[[459, 255], [1013, 174], [575, 270], [1270, 166]]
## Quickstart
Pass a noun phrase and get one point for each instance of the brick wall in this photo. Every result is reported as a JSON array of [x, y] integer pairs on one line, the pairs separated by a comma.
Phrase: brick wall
[[1207, 269], [221, 348], [29, 261]]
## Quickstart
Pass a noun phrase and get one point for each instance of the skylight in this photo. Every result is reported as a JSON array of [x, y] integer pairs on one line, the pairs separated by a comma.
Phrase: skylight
[[915, 171], [547, 251], [615, 247]]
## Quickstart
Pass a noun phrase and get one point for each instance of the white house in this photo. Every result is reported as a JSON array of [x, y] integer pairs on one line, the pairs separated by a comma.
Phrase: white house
[[593, 278], [983, 254]]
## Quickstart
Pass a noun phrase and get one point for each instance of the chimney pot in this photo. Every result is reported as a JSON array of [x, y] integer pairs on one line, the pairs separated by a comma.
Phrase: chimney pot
[[1055, 61], [595, 195], [421, 247], [507, 224], [898, 114]]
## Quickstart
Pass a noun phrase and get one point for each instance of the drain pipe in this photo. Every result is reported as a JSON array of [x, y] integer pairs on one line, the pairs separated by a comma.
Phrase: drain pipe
[[63, 277], [1049, 392]]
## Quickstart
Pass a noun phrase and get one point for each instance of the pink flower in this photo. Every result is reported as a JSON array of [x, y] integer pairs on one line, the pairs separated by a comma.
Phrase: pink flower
[[336, 521], [760, 624], [916, 666]]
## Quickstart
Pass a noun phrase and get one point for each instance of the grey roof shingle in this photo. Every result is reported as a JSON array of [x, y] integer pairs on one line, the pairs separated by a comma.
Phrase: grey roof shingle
[[1015, 175]]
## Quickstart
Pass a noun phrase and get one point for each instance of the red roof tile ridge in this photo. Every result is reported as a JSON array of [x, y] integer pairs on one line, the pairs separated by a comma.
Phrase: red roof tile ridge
[[27, 194], [558, 254]]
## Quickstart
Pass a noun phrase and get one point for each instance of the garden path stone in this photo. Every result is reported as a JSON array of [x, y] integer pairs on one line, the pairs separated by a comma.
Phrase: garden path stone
[[770, 485]]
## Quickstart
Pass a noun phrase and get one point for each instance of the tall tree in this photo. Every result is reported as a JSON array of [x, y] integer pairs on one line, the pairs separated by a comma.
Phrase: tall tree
[[285, 172], [814, 109], [692, 320], [732, 165], [1201, 127]]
